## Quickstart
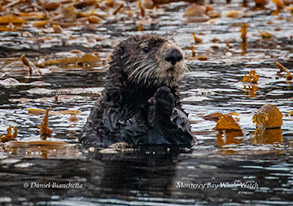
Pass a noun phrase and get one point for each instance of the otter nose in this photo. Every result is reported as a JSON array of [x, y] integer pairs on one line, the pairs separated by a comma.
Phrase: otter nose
[[174, 56]]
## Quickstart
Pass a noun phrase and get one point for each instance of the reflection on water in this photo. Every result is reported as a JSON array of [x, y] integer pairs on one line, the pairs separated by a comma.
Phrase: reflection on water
[[268, 136], [250, 90], [148, 176], [229, 137], [218, 170], [41, 149]]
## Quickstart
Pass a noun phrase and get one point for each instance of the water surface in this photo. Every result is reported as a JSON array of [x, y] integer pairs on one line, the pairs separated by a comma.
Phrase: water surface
[[226, 169]]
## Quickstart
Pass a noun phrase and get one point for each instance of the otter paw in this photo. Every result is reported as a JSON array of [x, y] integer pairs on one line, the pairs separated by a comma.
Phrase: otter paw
[[164, 100]]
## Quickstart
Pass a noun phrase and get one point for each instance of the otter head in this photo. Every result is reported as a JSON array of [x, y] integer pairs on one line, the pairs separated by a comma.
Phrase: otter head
[[150, 59]]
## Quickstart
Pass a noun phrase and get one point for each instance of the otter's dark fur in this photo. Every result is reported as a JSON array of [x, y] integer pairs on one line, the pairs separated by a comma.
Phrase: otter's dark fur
[[140, 102]]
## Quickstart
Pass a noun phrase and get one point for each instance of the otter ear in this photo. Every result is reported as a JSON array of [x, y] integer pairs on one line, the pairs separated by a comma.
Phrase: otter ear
[[118, 52], [121, 50]]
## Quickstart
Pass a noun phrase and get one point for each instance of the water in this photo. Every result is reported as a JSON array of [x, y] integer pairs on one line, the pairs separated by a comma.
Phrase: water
[[227, 169]]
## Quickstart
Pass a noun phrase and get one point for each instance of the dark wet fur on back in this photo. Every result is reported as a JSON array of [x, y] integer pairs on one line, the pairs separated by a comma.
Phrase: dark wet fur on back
[[140, 102]]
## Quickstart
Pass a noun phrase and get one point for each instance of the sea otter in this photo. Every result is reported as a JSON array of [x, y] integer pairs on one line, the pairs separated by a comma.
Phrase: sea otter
[[140, 103]]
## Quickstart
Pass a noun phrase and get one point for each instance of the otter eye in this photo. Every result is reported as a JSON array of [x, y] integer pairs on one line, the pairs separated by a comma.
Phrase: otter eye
[[146, 49]]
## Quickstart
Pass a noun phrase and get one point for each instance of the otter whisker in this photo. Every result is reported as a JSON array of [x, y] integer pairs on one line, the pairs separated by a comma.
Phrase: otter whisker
[[187, 68], [133, 74], [145, 76], [137, 70], [150, 74], [140, 72]]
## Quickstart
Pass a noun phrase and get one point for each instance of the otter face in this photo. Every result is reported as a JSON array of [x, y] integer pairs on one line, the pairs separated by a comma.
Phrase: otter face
[[150, 59], [172, 65]]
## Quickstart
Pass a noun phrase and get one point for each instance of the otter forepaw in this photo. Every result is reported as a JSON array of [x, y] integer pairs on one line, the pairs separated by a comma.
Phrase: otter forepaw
[[164, 93], [164, 100], [162, 103]]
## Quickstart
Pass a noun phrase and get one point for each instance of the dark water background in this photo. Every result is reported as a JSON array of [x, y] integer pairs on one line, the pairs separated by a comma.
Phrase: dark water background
[[258, 174]]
